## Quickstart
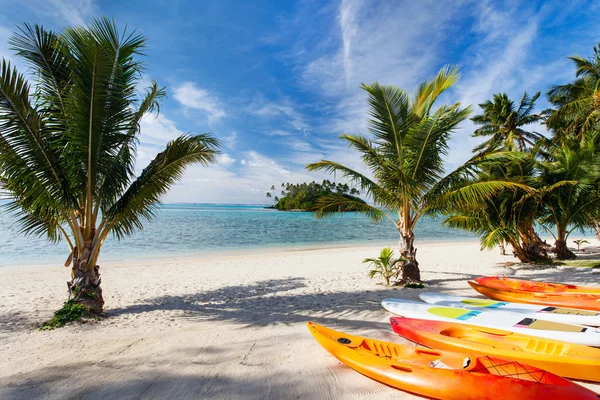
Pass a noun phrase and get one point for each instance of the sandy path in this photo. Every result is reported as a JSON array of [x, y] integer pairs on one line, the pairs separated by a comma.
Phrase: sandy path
[[221, 328]]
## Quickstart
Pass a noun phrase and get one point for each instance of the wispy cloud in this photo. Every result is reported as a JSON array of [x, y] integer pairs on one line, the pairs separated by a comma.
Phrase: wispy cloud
[[74, 12], [193, 97], [283, 111]]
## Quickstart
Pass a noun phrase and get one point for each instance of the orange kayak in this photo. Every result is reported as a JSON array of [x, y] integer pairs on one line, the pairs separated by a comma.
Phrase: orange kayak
[[580, 301], [505, 283], [562, 358], [442, 374]]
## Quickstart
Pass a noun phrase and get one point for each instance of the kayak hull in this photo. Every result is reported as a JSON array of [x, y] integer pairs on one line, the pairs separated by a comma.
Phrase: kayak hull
[[580, 301], [506, 283], [561, 358], [549, 313], [445, 375], [509, 321]]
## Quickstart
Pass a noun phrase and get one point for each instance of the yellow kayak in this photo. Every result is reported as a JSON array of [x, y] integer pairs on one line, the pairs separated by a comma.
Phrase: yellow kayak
[[443, 374], [562, 358]]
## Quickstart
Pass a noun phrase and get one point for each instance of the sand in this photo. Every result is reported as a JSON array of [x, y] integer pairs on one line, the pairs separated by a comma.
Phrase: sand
[[221, 327]]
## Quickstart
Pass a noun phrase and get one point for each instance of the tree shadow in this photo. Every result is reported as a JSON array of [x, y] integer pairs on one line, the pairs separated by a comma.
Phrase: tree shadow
[[276, 301], [77, 381]]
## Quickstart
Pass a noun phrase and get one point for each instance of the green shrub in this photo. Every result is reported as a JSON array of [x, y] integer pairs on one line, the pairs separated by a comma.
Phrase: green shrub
[[69, 312]]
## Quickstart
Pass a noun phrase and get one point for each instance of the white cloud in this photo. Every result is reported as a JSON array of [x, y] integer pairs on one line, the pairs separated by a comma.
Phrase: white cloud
[[193, 97], [225, 160], [74, 12], [285, 110]]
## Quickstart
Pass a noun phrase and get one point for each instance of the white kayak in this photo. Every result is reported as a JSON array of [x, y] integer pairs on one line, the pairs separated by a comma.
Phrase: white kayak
[[505, 320], [558, 314]]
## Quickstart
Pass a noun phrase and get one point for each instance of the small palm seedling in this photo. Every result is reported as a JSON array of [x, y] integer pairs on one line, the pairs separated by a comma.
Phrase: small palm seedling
[[579, 242], [385, 265]]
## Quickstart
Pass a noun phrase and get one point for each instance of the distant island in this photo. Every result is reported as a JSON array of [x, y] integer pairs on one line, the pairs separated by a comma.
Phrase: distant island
[[304, 196]]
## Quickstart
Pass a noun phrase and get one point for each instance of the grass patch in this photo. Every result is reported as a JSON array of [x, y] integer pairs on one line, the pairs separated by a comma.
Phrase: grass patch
[[582, 263], [414, 286], [69, 312]]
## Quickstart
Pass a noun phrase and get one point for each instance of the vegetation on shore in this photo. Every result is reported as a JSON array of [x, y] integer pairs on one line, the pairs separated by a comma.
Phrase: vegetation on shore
[[516, 180], [68, 145], [405, 157], [304, 196]]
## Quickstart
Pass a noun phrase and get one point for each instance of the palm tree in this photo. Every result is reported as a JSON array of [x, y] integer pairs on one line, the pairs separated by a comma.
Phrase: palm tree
[[405, 159], [507, 217], [578, 102], [570, 192], [67, 147], [504, 123]]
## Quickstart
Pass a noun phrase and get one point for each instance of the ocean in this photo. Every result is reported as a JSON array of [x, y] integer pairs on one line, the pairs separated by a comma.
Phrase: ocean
[[202, 229]]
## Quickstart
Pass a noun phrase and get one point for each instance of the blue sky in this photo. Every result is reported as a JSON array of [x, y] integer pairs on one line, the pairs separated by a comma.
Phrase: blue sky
[[279, 81]]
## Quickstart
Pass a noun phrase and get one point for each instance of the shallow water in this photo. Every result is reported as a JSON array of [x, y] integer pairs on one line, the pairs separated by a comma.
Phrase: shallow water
[[188, 229]]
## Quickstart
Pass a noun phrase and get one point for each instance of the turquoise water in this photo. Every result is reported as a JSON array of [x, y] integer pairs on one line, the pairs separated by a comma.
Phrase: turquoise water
[[188, 229]]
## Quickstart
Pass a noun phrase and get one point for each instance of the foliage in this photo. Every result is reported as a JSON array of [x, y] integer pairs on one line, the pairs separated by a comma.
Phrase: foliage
[[579, 242], [504, 122], [577, 103], [71, 311], [405, 159], [304, 196], [385, 265], [68, 143], [414, 286]]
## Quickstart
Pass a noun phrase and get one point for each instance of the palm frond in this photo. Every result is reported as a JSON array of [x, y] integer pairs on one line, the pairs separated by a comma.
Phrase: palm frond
[[139, 201]]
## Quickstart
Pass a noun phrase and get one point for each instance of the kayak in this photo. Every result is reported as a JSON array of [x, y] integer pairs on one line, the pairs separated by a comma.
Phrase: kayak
[[561, 358], [506, 283], [550, 313], [441, 374], [581, 301], [505, 320]]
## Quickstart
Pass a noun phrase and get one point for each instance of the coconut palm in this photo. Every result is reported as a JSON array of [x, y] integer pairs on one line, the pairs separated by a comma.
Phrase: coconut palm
[[405, 159], [505, 123], [67, 146], [578, 102], [507, 217], [570, 194]]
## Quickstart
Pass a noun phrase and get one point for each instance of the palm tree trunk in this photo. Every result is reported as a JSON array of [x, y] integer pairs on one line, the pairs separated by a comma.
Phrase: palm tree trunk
[[533, 246], [410, 268], [84, 286], [596, 226], [560, 246], [502, 248]]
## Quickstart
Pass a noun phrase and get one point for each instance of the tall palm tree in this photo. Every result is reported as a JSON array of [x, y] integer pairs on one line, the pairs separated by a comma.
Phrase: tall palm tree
[[405, 159], [578, 102], [505, 123], [67, 147]]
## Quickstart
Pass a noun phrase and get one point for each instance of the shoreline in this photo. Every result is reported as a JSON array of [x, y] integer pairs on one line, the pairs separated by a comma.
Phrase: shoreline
[[269, 249], [229, 327]]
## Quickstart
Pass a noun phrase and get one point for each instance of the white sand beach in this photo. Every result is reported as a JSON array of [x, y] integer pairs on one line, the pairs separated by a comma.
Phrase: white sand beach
[[222, 327]]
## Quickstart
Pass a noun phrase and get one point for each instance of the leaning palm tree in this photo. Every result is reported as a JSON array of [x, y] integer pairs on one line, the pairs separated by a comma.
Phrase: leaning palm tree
[[570, 190], [67, 147], [509, 216], [405, 159], [505, 123]]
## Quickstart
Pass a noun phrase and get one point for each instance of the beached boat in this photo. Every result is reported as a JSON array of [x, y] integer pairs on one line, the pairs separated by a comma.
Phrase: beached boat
[[504, 320], [441, 374], [580, 301], [550, 313], [561, 358], [507, 283]]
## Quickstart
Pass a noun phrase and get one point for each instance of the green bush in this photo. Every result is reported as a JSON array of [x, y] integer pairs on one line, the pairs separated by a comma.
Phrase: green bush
[[70, 311]]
